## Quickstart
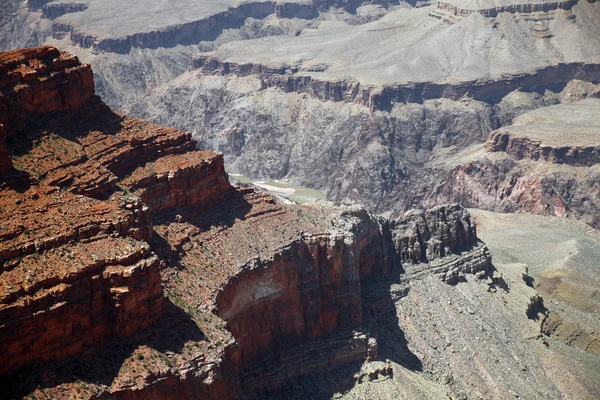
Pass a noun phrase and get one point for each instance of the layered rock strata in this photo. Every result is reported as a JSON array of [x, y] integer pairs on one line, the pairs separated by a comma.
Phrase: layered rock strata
[[182, 25], [521, 147], [131, 241], [312, 287], [291, 79], [493, 8], [545, 163], [78, 269], [562, 134]]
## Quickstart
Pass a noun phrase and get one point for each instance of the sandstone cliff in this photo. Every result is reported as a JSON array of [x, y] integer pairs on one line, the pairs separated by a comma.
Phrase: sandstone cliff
[[132, 241], [78, 267]]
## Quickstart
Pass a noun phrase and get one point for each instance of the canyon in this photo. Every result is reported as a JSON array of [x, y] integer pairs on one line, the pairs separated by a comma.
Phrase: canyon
[[135, 267], [155, 249]]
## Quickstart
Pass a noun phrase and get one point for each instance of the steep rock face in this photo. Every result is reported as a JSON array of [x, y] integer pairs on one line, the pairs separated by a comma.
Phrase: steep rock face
[[199, 184], [191, 30], [495, 181], [77, 267], [493, 8], [546, 162], [43, 80], [289, 79], [423, 236], [312, 287], [307, 289], [38, 81], [522, 147], [128, 235]]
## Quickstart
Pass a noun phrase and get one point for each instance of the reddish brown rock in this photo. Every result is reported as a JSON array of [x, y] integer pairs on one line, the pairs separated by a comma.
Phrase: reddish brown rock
[[130, 241], [563, 134], [199, 181], [77, 268]]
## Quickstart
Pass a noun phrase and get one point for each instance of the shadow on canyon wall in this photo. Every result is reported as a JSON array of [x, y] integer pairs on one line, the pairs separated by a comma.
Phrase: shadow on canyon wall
[[379, 321], [101, 365]]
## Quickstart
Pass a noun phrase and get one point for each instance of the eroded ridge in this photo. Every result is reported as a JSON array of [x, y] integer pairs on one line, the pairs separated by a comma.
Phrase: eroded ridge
[[119, 235], [78, 267]]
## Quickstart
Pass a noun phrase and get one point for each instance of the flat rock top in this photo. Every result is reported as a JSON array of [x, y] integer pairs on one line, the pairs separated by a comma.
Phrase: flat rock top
[[571, 124], [104, 19], [488, 4], [408, 45]]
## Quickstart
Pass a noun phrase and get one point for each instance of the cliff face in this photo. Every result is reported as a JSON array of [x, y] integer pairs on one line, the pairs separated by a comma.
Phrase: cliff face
[[311, 290], [130, 240], [545, 162], [194, 31], [60, 83], [288, 79], [492, 9], [522, 147], [77, 266]]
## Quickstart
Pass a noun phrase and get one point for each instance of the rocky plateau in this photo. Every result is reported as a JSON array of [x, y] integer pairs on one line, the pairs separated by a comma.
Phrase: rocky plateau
[[133, 268]]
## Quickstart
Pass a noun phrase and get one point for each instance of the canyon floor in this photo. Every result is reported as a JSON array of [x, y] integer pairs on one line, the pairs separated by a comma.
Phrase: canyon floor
[[134, 266]]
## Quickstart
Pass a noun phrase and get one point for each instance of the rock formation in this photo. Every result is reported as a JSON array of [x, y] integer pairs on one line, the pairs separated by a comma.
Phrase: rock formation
[[175, 284], [564, 134], [457, 9], [127, 233], [544, 163]]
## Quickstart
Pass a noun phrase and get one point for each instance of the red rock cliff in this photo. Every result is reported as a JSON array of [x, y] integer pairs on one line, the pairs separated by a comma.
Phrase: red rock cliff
[[79, 183], [130, 240]]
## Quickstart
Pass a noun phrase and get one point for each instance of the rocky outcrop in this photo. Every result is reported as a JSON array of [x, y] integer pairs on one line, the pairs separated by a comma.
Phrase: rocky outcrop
[[545, 162], [43, 80], [291, 79], [198, 183], [78, 269], [55, 9], [421, 236], [502, 184], [520, 148], [38, 81], [36, 5], [130, 241], [307, 290], [495, 8], [170, 36], [84, 299]]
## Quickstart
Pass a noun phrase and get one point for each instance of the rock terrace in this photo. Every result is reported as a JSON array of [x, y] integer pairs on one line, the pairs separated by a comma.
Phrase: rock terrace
[[132, 253]]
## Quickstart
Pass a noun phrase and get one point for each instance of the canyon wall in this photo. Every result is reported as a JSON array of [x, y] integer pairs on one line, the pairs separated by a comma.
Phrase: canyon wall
[[290, 79], [312, 287], [520, 148], [77, 266], [524, 8], [132, 242], [170, 36]]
